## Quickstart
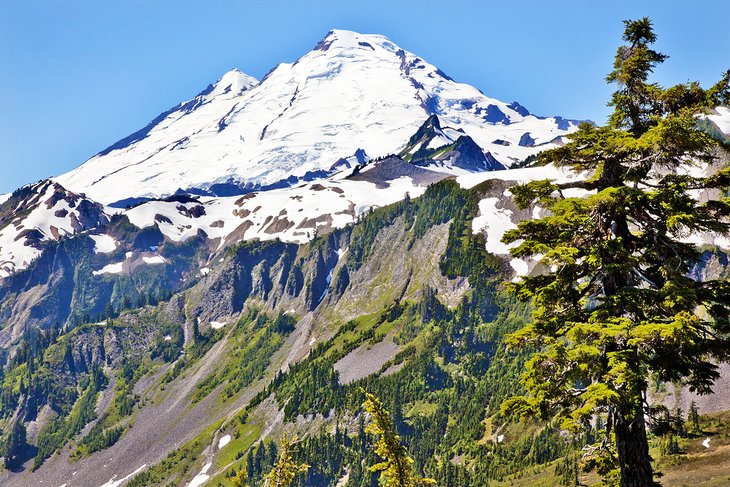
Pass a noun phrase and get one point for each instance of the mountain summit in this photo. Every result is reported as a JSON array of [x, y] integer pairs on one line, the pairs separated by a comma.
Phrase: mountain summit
[[352, 93]]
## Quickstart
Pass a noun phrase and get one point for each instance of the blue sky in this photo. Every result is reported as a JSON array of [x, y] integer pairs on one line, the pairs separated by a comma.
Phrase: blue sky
[[75, 76]]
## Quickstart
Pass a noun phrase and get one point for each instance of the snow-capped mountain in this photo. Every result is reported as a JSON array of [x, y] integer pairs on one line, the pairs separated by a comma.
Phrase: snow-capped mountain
[[38, 214], [353, 94]]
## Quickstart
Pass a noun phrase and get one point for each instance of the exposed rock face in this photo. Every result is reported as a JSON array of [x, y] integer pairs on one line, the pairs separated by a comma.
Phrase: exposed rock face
[[383, 172], [526, 140]]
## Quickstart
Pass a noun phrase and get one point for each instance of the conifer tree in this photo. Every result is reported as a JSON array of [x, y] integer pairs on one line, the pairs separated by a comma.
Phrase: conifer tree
[[396, 469], [285, 468], [693, 418], [241, 477], [615, 304], [14, 445]]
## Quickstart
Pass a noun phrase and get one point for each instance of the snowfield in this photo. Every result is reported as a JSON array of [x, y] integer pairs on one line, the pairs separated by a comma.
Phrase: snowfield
[[202, 477], [104, 244], [223, 441], [352, 93], [290, 214], [721, 118]]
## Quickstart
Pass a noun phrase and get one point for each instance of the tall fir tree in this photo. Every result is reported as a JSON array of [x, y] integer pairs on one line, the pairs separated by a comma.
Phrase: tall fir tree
[[396, 469], [615, 304], [693, 419]]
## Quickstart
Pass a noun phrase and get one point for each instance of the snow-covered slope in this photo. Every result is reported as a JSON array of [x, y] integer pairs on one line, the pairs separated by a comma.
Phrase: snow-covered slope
[[38, 214], [352, 92], [289, 214], [45, 212], [721, 118]]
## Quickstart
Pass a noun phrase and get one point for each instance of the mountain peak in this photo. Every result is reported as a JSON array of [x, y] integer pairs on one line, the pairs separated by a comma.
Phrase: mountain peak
[[353, 92], [234, 81], [348, 39]]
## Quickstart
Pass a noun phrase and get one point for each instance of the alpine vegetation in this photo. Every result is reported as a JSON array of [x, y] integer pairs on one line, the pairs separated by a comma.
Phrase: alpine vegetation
[[359, 272]]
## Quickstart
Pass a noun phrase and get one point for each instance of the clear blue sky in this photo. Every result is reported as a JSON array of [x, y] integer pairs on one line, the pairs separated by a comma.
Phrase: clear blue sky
[[75, 76]]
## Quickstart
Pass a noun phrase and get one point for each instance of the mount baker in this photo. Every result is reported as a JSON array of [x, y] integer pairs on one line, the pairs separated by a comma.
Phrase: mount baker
[[353, 97]]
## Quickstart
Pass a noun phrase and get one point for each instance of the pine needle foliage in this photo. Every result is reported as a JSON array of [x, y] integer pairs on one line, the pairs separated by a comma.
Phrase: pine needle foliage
[[616, 304], [285, 469], [396, 469], [241, 477]]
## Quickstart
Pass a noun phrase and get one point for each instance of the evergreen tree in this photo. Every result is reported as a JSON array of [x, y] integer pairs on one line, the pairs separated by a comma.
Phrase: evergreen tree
[[615, 305], [693, 419], [15, 444], [259, 458], [285, 468], [396, 469], [241, 477]]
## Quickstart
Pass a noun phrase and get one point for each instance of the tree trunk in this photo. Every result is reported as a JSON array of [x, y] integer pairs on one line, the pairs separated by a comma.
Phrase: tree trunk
[[633, 450]]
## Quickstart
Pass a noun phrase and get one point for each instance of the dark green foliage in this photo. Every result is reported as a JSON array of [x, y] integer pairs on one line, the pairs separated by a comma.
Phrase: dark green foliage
[[60, 430], [458, 337], [285, 469], [615, 304], [567, 470], [107, 430], [15, 446], [168, 349], [99, 438], [395, 467], [693, 419], [441, 202]]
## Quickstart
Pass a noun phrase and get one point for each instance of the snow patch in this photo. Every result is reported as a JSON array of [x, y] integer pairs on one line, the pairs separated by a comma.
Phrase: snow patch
[[706, 443], [217, 325], [116, 483], [224, 440], [205, 271], [495, 222], [520, 267], [104, 244], [202, 477], [115, 268], [156, 259], [721, 118], [519, 176]]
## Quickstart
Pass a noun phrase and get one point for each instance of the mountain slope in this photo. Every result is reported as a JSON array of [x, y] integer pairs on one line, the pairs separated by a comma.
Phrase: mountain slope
[[276, 337], [351, 93], [40, 213]]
